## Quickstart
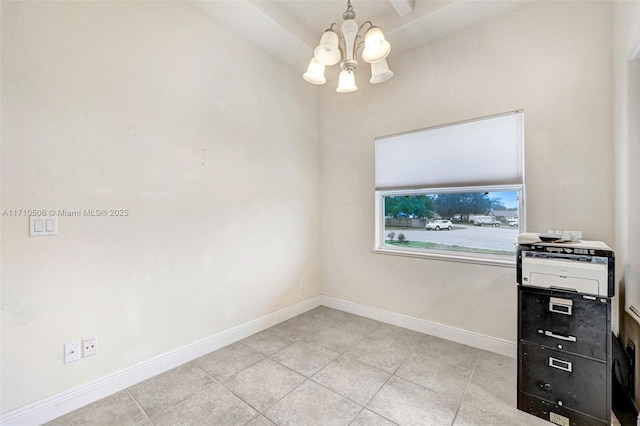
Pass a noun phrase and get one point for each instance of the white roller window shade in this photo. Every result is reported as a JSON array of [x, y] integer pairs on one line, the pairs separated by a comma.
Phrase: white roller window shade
[[487, 151]]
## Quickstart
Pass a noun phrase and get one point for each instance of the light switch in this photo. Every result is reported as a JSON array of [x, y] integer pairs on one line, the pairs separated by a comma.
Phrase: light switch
[[43, 226]]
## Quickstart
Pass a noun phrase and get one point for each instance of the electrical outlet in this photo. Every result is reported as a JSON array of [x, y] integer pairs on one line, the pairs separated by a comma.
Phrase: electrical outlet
[[89, 346], [303, 283], [71, 352]]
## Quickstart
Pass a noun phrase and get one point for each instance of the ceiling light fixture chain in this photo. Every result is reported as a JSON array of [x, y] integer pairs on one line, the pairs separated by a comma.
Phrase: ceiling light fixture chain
[[342, 43]]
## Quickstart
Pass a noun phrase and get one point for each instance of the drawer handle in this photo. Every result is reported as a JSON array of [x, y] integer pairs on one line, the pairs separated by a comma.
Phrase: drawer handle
[[560, 306], [557, 336], [560, 364]]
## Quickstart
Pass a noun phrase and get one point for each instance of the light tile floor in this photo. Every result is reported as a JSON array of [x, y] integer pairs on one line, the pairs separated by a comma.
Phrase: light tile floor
[[324, 367]]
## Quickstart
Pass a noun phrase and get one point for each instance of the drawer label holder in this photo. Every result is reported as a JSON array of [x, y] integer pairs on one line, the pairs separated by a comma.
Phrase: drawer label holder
[[560, 364], [558, 419], [560, 306]]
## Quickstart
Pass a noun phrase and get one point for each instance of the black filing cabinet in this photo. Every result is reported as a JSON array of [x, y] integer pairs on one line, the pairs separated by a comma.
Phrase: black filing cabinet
[[564, 350]]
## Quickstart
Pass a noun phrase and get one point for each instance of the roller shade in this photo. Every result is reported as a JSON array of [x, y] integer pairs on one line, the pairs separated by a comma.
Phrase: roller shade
[[486, 151]]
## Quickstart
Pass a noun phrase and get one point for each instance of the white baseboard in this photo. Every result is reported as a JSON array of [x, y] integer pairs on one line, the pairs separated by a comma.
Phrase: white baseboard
[[57, 405], [470, 338]]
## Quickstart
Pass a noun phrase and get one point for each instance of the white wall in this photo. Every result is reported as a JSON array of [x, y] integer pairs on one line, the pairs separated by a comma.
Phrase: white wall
[[209, 143], [627, 145], [551, 59], [627, 118]]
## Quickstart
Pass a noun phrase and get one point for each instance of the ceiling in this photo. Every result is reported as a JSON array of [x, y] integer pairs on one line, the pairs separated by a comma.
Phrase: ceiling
[[290, 29]]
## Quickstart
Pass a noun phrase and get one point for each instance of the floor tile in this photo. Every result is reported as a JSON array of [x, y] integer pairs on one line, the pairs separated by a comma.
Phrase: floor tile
[[268, 342], [118, 408], [501, 367], [264, 383], [359, 325], [452, 352], [381, 352], [299, 327], [470, 416], [398, 335], [215, 405], [321, 313], [260, 421], [335, 338], [350, 322], [368, 418], [305, 358], [406, 403], [493, 396], [435, 373], [227, 361], [160, 393], [180, 416], [312, 404], [353, 379]]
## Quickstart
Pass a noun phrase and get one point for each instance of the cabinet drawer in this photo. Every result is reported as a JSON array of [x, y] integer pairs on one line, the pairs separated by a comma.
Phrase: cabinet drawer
[[555, 413], [566, 380], [565, 321]]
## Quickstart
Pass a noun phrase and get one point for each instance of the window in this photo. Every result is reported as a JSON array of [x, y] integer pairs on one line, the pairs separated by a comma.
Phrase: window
[[453, 192]]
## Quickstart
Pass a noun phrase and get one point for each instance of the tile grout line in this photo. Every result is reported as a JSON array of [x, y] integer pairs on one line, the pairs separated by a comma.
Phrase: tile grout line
[[135, 401], [280, 399], [231, 391], [455, 417]]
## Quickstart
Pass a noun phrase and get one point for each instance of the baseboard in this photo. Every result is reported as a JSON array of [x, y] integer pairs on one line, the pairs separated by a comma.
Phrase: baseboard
[[57, 405], [477, 340]]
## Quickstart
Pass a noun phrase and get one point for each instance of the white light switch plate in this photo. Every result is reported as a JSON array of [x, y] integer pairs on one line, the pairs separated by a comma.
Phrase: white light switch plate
[[42, 226]]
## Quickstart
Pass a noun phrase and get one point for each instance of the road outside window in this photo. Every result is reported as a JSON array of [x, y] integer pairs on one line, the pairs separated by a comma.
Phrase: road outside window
[[478, 222]]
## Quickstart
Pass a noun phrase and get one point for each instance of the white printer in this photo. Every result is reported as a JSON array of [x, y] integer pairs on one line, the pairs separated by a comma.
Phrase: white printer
[[583, 267]]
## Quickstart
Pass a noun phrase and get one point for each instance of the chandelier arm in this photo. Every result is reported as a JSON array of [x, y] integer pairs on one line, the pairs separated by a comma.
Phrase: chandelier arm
[[365, 23], [331, 27], [359, 41], [341, 40]]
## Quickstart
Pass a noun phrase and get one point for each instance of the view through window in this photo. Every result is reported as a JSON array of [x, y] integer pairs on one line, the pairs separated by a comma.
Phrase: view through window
[[474, 221]]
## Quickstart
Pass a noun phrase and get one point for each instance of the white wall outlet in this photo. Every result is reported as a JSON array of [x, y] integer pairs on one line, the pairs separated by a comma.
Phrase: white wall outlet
[[303, 283], [89, 346], [71, 352]]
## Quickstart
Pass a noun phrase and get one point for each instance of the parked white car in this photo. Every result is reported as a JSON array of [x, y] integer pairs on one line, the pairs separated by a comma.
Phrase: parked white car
[[440, 224]]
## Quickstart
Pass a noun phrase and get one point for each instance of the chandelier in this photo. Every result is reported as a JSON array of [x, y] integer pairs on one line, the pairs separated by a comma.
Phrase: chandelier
[[341, 43]]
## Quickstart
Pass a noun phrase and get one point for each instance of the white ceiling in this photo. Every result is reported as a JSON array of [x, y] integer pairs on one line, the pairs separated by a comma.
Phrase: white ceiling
[[290, 29]]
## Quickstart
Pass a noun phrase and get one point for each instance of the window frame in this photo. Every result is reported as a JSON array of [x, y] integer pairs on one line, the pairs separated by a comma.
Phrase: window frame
[[457, 256]]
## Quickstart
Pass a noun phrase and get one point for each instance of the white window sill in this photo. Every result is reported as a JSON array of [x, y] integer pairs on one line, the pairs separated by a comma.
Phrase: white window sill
[[449, 257]]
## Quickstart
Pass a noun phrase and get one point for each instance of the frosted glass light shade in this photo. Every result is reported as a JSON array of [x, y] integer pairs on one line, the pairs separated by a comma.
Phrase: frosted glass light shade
[[376, 48], [315, 72], [347, 82], [327, 52], [380, 72]]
